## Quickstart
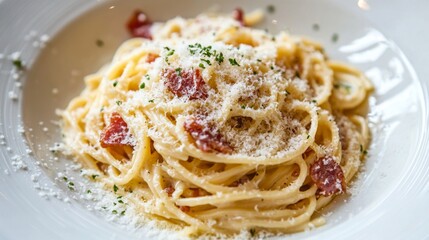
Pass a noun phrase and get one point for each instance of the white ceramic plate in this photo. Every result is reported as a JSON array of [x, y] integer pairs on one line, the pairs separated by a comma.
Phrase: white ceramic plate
[[388, 41]]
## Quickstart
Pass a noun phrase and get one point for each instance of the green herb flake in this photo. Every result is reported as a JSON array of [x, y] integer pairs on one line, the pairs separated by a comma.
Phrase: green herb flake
[[171, 52], [88, 191], [18, 64], [314, 101], [243, 106], [316, 27], [115, 188], [114, 212], [219, 58], [271, 8], [233, 62], [120, 201], [94, 176], [258, 60], [71, 183], [118, 102], [335, 37], [308, 136], [115, 83], [201, 65], [99, 43], [102, 109], [65, 179], [147, 77], [252, 232], [123, 213], [142, 85], [178, 71], [206, 61], [151, 101]]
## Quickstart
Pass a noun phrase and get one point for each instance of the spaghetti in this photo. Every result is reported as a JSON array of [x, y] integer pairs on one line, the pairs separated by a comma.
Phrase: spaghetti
[[216, 127]]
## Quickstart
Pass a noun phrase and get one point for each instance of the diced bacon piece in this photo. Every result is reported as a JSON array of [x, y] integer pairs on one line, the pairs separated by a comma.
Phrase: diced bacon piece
[[197, 192], [185, 208], [188, 83], [328, 176], [206, 137], [139, 25], [169, 191], [151, 57], [238, 14], [116, 134]]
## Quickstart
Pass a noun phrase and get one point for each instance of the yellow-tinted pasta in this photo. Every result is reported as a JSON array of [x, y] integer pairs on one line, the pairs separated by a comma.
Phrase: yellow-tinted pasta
[[274, 105]]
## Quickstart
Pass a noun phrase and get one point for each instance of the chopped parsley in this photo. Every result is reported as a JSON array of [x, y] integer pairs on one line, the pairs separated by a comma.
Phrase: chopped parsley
[[314, 101], [147, 77], [115, 83], [123, 213], [120, 201], [115, 188], [219, 58], [70, 184], [114, 212], [363, 151], [252, 232], [206, 51], [243, 106], [335, 37], [151, 101], [308, 136], [142, 85], [102, 109], [178, 71], [271, 8], [316, 27], [88, 191], [201, 65], [99, 43], [169, 53], [94, 176], [119, 103], [18, 64], [259, 60], [206, 61], [233, 62]]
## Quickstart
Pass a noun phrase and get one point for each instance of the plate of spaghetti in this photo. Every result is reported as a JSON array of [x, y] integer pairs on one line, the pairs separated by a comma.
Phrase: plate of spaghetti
[[212, 120]]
